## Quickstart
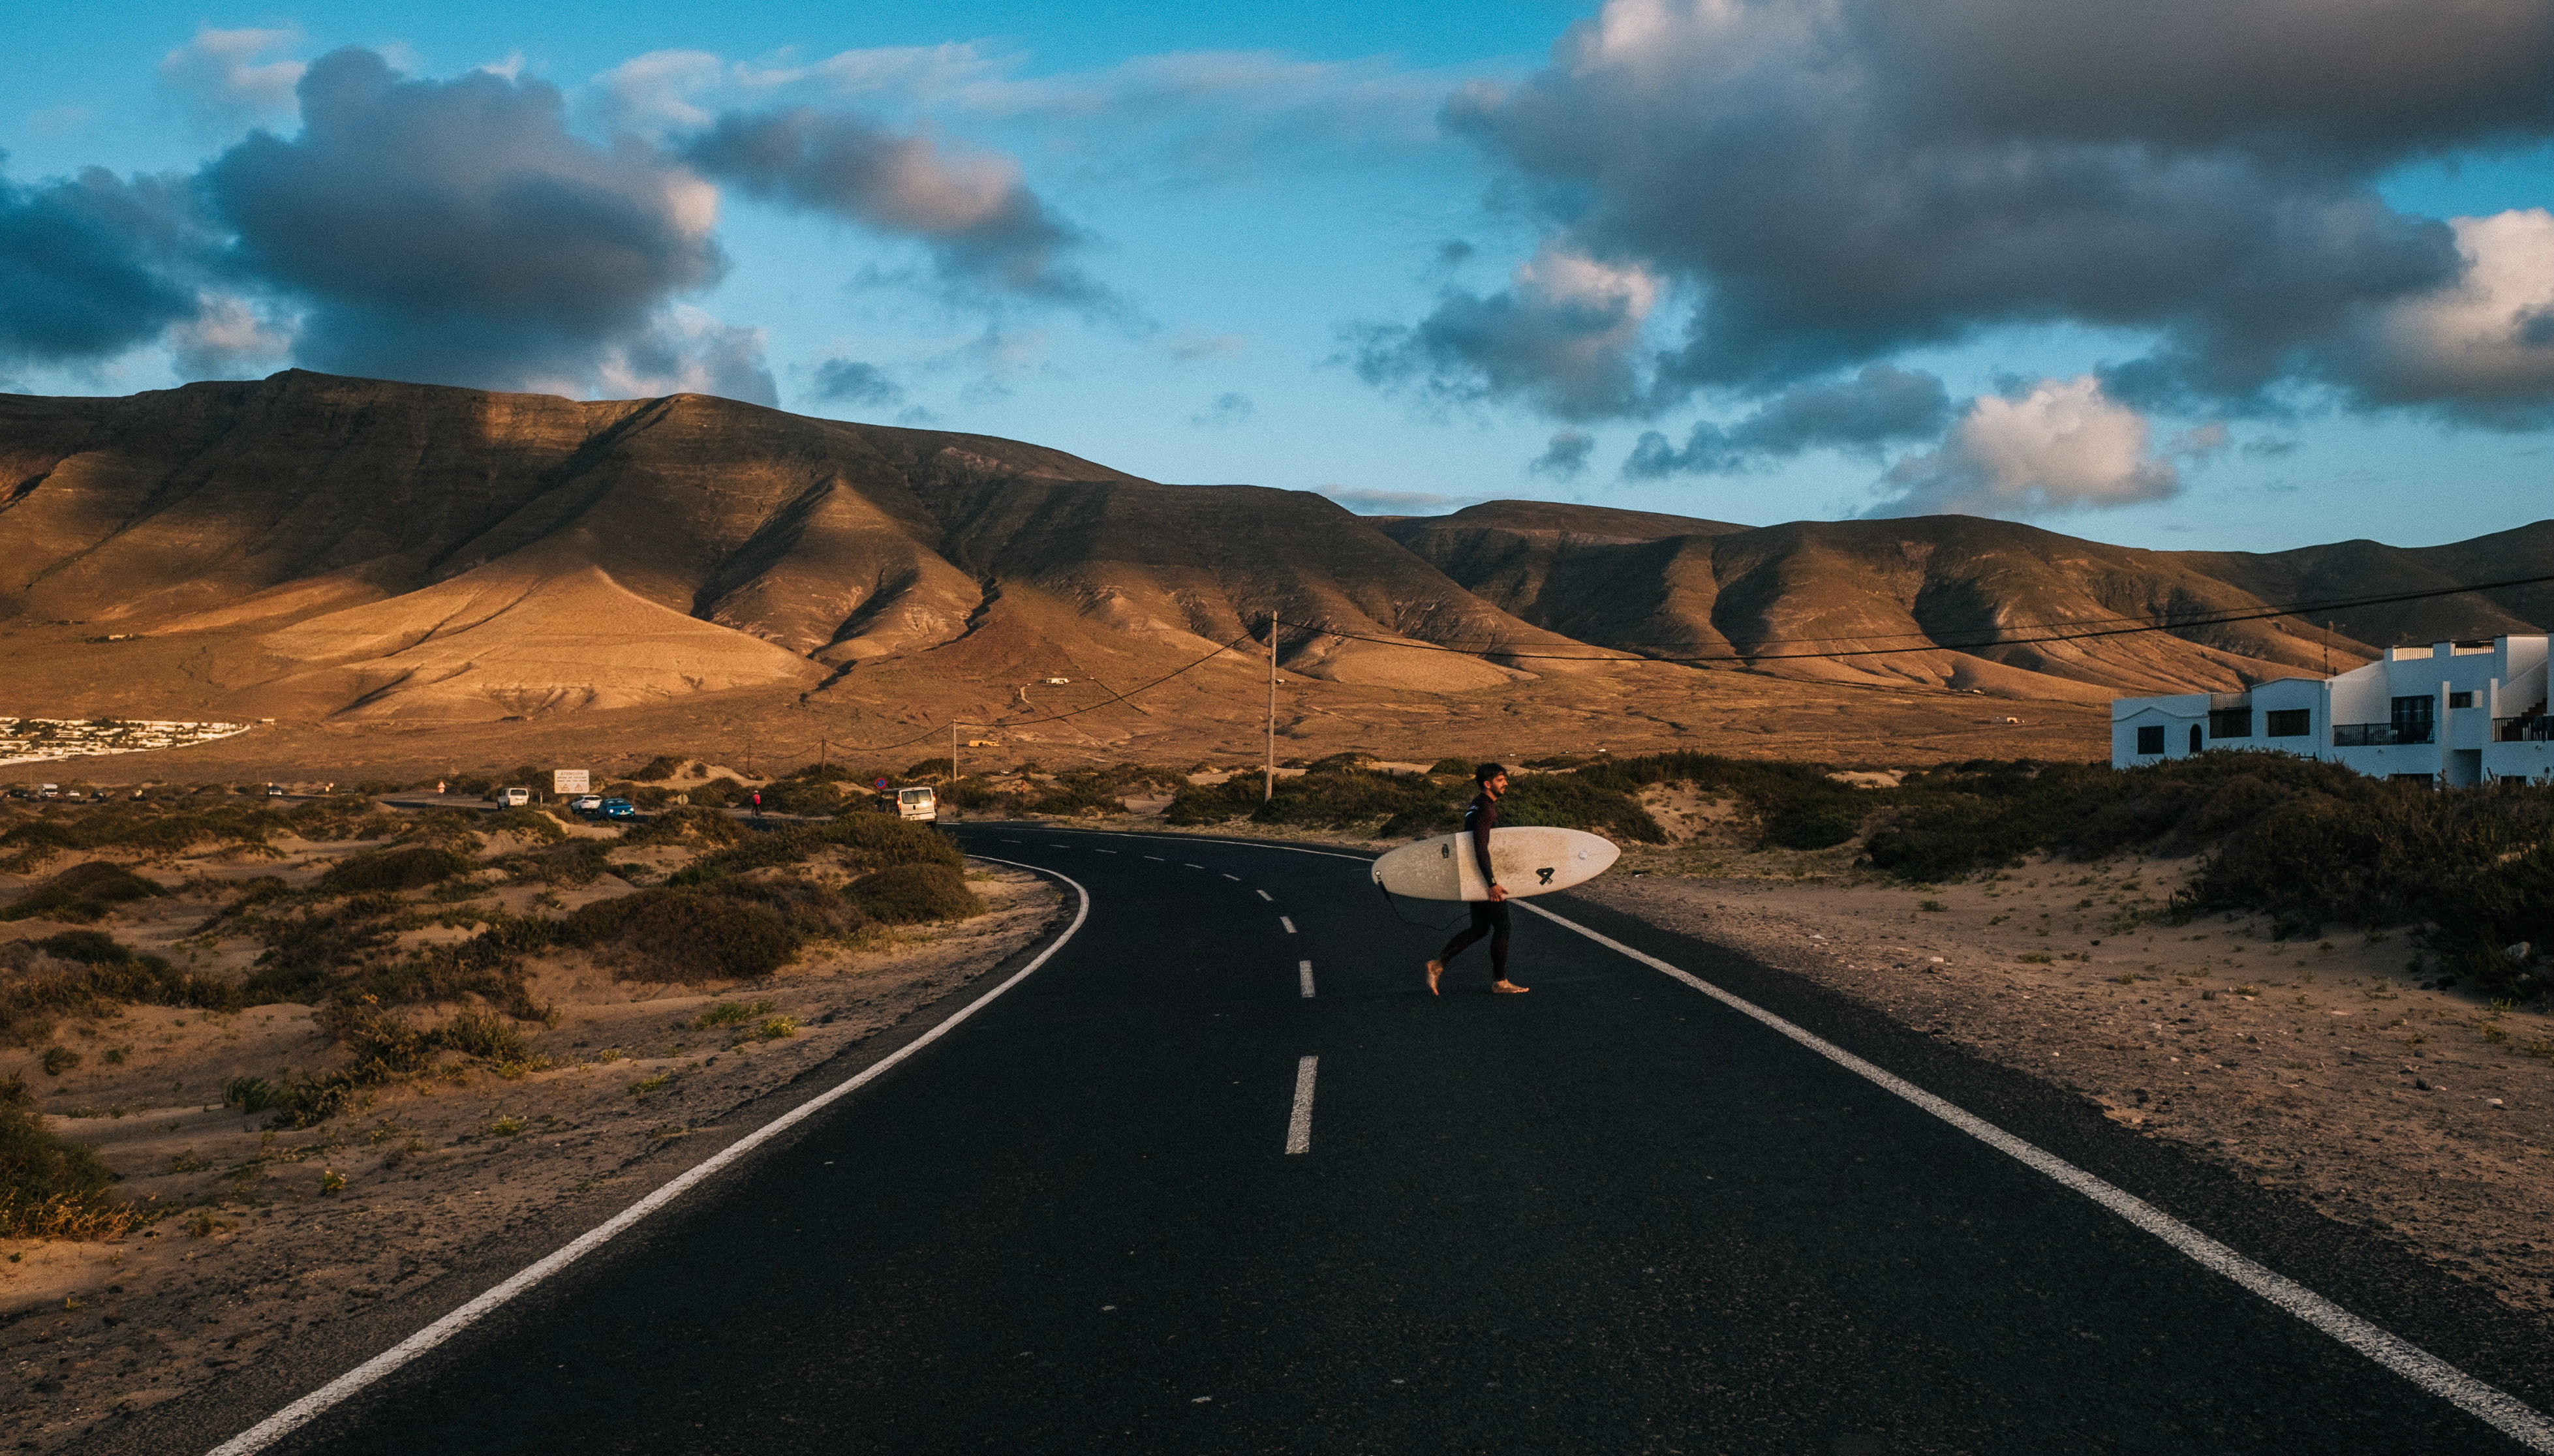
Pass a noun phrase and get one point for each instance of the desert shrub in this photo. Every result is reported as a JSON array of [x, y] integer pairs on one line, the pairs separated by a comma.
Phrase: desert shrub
[[974, 791], [49, 1185], [1576, 802], [83, 892], [929, 768], [456, 829], [387, 870], [1453, 767], [265, 889], [1195, 804], [578, 862], [523, 820], [905, 894], [1351, 797], [670, 934], [342, 816], [721, 793], [802, 796], [485, 1034], [824, 773], [307, 955], [147, 828], [692, 825], [878, 840], [810, 910], [658, 769], [88, 974]]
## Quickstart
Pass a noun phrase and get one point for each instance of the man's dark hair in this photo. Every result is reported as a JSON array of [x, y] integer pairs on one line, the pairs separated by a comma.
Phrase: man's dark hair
[[1487, 772]]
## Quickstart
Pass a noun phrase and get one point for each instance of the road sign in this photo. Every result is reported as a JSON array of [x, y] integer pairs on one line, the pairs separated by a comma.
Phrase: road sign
[[572, 781], [882, 783]]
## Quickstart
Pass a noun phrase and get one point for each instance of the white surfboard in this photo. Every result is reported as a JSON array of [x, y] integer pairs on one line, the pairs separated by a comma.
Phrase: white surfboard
[[1530, 861]]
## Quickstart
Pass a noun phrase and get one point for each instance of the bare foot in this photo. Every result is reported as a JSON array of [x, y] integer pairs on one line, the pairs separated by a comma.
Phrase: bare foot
[[1509, 988], [1436, 969]]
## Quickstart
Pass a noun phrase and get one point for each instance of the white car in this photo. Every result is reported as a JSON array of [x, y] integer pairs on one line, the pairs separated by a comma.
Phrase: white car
[[588, 804], [513, 798]]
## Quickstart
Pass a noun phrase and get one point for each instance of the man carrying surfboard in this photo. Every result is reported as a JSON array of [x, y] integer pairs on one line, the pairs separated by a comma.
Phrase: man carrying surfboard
[[1490, 915]]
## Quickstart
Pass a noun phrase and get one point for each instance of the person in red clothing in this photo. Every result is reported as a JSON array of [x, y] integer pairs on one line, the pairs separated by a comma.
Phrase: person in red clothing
[[1489, 917]]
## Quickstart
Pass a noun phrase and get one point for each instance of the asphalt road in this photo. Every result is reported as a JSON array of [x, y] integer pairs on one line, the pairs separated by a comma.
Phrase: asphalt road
[[1613, 1215]]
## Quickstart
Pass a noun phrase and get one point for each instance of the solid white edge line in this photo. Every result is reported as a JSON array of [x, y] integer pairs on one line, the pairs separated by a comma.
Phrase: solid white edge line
[[1304, 971], [1287, 922], [2504, 1412], [293, 1416], [1299, 1126]]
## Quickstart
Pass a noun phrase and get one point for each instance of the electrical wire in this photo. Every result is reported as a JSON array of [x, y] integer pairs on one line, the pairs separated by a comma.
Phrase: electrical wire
[[2095, 630]]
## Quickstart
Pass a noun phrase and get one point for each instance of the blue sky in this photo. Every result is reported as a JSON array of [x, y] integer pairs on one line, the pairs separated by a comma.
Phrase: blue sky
[[1753, 262]]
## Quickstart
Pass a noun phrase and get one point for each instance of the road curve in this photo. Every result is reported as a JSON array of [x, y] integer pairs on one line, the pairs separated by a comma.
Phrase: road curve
[[1222, 1176]]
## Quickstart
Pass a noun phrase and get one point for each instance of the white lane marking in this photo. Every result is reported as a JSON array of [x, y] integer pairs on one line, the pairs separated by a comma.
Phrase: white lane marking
[[1263, 894], [1156, 859], [1287, 922], [2504, 1412], [1303, 970], [293, 1416], [1236, 879], [1299, 1128], [1097, 850], [1184, 864]]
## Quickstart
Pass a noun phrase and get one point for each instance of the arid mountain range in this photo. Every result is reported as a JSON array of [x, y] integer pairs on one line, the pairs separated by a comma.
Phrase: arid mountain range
[[338, 550]]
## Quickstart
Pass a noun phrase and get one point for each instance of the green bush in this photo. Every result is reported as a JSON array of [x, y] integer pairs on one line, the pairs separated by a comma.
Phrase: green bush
[[810, 910], [81, 893], [720, 793], [905, 894], [1578, 802], [658, 769], [523, 820], [390, 871]]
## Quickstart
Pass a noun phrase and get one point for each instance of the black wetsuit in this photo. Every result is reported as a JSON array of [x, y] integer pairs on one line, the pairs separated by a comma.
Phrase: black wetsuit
[[1489, 917]]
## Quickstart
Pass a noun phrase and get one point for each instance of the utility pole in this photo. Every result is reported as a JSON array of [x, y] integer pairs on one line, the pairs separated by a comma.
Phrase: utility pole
[[952, 751], [1268, 791]]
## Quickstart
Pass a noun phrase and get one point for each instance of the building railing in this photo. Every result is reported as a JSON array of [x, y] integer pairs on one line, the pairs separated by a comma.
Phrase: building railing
[[2378, 735], [2533, 728]]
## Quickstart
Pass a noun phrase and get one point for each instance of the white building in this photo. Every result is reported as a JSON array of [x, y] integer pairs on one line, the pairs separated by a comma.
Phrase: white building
[[2452, 713]]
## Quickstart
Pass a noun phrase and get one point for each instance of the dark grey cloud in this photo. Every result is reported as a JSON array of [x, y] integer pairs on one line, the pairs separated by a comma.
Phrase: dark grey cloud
[[86, 266], [983, 226], [861, 385], [455, 231], [1820, 184], [1564, 456], [1880, 405]]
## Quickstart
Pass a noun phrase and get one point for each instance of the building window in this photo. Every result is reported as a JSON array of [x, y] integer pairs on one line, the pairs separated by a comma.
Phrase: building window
[[2460, 700], [2150, 741], [2412, 718], [2230, 722], [2290, 722]]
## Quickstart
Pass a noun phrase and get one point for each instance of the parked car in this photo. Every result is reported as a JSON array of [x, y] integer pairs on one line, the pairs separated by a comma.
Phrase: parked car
[[922, 803], [275, 791], [620, 808], [513, 798], [588, 804], [48, 791]]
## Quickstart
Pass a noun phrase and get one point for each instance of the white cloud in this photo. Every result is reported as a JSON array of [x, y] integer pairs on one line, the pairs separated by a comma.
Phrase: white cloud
[[2062, 446], [1566, 335], [689, 352], [2482, 345], [225, 82], [227, 339]]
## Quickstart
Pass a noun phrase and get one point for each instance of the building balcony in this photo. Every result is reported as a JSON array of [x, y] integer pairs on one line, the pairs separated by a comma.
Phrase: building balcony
[[2379, 734], [2533, 728]]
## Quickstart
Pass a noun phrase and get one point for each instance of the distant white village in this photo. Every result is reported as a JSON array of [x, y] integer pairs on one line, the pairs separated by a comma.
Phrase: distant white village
[[2451, 713], [46, 739]]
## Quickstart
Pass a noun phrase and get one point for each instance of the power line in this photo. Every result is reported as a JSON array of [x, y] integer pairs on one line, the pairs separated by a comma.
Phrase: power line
[[2088, 628]]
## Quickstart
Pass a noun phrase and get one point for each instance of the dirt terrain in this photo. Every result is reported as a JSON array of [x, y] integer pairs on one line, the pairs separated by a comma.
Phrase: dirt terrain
[[264, 1230]]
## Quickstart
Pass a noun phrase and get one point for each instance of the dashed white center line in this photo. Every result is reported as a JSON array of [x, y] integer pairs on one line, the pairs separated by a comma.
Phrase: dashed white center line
[[1103, 851], [1303, 968], [1236, 879], [1299, 1128], [1262, 894], [1287, 922], [1156, 859], [1184, 864]]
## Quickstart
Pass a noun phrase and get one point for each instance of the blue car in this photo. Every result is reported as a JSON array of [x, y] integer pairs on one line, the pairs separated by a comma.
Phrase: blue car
[[618, 808]]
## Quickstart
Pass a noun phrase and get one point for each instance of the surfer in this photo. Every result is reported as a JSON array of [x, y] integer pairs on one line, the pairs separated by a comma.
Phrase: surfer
[[1489, 917]]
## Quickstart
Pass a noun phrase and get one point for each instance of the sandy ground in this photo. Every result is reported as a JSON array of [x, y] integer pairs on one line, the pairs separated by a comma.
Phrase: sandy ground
[[268, 1232]]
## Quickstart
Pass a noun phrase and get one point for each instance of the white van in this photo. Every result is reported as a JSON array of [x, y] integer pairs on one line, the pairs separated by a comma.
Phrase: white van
[[922, 803], [513, 798]]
